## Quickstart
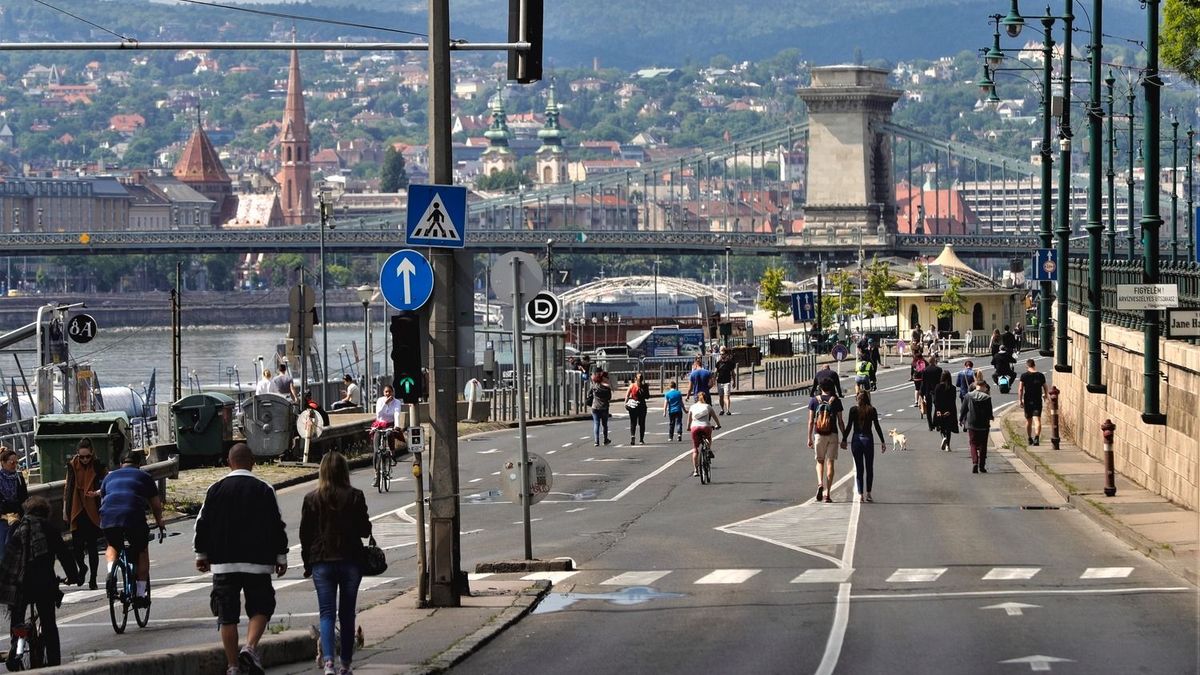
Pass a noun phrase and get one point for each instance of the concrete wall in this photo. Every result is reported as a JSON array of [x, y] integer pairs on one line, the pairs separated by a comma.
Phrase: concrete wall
[[1163, 459]]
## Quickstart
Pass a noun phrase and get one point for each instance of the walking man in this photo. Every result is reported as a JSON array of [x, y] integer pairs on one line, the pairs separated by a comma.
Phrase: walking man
[[700, 380], [726, 371], [825, 426], [964, 379], [977, 417], [241, 538], [933, 377], [830, 374], [1031, 391]]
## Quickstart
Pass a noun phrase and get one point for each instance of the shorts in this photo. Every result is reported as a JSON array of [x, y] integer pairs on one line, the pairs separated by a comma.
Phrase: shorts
[[825, 447], [699, 433], [724, 388], [1032, 409], [137, 536], [226, 601]]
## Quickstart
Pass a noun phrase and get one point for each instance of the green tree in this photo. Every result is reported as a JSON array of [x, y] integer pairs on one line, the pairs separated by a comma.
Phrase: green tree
[[499, 181], [395, 175], [770, 290], [879, 280], [1181, 37], [952, 301], [840, 297]]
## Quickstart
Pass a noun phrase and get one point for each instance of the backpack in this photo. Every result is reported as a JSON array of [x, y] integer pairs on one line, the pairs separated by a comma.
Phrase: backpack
[[920, 365], [824, 422]]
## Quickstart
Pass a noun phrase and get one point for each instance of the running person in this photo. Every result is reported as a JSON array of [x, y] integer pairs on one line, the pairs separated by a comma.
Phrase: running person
[[726, 371], [125, 495], [701, 420]]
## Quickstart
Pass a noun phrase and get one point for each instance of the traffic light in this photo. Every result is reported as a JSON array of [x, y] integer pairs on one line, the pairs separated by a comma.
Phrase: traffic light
[[525, 66], [406, 356]]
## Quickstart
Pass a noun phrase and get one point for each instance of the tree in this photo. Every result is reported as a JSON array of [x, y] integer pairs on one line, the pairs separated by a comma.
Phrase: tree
[[770, 290], [499, 181], [839, 298], [879, 280], [1181, 37], [395, 176], [952, 301]]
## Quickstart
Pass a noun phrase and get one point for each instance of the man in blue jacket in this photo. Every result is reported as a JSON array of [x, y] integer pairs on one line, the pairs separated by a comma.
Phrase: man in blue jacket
[[241, 538]]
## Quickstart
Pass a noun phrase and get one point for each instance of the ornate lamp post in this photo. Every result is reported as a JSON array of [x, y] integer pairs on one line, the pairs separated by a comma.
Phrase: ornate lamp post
[[1191, 213], [1151, 220], [1174, 189], [326, 210], [365, 293], [1112, 143]]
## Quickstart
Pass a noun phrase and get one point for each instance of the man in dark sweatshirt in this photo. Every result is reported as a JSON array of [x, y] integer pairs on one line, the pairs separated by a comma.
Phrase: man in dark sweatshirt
[[933, 377], [241, 538]]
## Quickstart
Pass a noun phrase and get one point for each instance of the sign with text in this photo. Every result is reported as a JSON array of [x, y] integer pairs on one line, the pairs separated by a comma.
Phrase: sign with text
[[1183, 323], [1147, 296]]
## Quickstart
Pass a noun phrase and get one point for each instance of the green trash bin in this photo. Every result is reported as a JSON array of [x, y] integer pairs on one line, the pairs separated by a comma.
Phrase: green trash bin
[[57, 436], [203, 425]]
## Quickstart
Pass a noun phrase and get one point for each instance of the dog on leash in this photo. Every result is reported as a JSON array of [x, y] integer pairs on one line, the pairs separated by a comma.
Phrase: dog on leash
[[899, 440]]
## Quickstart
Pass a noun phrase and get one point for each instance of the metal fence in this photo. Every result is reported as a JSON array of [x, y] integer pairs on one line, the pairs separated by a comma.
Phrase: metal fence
[[1185, 274]]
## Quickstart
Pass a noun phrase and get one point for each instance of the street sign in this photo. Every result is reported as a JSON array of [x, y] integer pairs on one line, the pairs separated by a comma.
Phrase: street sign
[[541, 479], [308, 425], [1045, 265], [531, 274], [804, 306], [1147, 296], [840, 352], [543, 309], [82, 328], [437, 216], [1183, 323], [406, 280]]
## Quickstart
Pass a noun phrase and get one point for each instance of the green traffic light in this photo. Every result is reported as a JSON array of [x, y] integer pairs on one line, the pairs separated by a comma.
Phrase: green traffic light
[[407, 383]]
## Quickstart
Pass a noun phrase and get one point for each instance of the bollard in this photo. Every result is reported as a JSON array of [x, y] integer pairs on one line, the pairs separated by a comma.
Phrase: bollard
[[1054, 437], [1110, 474]]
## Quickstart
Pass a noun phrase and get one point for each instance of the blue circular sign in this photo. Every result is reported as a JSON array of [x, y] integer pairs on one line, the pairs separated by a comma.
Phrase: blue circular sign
[[406, 280], [840, 352]]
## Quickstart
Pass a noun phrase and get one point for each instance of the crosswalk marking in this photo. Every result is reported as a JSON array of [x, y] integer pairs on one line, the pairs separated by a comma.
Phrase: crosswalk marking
[[824, 575], [635, 578], [552, 577], [1106, 573], [476, 576], [910, 575], [372, 582], [82, 596], [280, 584], [1010, 573], [727, 576], [177, 589]]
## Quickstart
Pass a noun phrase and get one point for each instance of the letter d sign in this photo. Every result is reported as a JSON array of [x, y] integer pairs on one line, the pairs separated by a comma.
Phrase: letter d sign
[[543, 309]]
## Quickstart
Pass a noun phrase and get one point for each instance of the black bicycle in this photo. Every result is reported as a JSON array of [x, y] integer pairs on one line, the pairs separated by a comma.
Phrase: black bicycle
[[706, 456], [121, 586], [384, 459]]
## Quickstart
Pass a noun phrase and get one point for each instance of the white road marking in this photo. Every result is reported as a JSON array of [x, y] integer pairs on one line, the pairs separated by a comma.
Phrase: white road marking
[[551, 452], [727, 576], [474, 480], [495, 473], [635, 578], [582, 508], [175, 590], [888, 414], [1038, 661], [823, 575], [281, 584], [532, 520], [916, 575], [83, 596], [368, 583], [1009, 592], [1012, 608], [1010, 573], [567, 445], [770, 407], [617, 459], [1106, 573], [552, 577], [489, 452]]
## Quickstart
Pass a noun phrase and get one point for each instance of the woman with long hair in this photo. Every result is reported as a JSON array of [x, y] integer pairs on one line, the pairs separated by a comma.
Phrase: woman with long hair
[[635, 402], [863, 417], [333, 523], [81, 505], [13, 493], [598, 399], [945, 408]]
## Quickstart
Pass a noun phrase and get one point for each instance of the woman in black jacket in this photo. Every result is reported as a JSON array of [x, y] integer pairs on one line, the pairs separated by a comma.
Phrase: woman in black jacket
[[862, 419], [13, 493], [945, 404], [333, 523], [635, 402]]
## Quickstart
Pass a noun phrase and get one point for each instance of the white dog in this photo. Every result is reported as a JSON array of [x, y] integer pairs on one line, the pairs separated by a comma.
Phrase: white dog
[[899, 440]]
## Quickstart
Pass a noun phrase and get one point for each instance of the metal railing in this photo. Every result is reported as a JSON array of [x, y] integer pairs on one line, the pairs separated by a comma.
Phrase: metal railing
[[159, 471], [1185, 274]]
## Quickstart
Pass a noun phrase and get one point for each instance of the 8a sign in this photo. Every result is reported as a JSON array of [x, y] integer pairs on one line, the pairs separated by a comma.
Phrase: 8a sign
[[82, 328]]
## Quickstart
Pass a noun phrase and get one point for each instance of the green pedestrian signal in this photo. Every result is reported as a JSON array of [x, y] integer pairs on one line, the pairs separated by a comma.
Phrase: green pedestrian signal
[[407, 384], [406, 356]]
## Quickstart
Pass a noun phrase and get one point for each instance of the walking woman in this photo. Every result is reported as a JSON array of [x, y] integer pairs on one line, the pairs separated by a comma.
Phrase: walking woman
[[13, 493], [599, 396], [81, 506], [863, 417], [333, 523], [916, 373], [635, 402], [945, 404]]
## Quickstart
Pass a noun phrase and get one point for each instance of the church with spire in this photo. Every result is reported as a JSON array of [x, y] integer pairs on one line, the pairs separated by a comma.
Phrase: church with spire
[[200, 168], [295, 168], [551, 156], [498, 156]]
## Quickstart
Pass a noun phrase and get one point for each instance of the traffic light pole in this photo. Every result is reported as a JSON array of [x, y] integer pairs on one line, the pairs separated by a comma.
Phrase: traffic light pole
[[519, 375], [447, 582]]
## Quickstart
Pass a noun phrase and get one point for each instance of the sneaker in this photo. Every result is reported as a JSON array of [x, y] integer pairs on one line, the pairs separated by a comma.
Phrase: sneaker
[[820, 492], [1037, 440], [695, 473], [597, 444], [632, 440], [868, 497], [607, 442], [141, 601], [250, 662], [345, 670], [329, 669], [828, 499], [974, 468], [1031, 440], [982, 470]]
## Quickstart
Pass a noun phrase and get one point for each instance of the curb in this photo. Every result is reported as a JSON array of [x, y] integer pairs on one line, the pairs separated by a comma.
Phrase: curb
[[1080, 502], [275, 650], [522, 605]]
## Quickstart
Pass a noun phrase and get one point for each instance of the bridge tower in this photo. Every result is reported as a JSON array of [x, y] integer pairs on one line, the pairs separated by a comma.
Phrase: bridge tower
[[851, 194], [551, 157], [295, 171], [498, 156]]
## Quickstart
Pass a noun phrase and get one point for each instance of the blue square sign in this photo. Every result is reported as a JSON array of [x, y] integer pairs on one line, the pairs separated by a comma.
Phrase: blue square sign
[[437, 216], [1045, 265]]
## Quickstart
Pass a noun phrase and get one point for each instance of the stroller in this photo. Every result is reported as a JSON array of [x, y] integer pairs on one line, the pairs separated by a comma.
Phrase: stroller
[[1004, 373], [1005, 383]]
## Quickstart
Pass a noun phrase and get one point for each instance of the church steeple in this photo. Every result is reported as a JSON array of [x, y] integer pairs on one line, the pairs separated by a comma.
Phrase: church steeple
[[295, 171], [498, 156], [551, 156], [199, 167]]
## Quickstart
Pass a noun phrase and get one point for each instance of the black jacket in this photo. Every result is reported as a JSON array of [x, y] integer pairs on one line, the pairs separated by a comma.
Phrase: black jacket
[[933, 377], [239, 528], [16, 504]]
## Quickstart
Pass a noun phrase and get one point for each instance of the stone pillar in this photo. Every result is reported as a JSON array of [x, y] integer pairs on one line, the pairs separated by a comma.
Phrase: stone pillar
[[849, 161]]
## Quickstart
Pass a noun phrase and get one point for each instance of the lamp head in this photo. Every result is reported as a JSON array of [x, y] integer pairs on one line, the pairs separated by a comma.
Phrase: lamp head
[[986, 84], [364, 293], [1013, 22]]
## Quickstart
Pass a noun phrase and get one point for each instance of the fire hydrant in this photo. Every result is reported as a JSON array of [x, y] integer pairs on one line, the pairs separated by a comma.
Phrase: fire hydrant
[[1110, 474], [1054, 437]]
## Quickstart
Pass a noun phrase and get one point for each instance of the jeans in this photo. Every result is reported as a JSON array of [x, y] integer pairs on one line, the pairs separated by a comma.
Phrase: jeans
[[637, 417], [863, 449], [675, 424], [337, 591], [599, 419], [978, 440]]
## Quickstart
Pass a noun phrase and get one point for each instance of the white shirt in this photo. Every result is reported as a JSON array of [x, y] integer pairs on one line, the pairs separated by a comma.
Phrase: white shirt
[[385, 411], [703, 415], [352, 393], [264, 386]]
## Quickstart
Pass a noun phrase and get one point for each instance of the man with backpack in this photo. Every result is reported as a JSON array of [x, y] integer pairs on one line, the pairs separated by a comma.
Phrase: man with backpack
[[825, 426], [964, 379]]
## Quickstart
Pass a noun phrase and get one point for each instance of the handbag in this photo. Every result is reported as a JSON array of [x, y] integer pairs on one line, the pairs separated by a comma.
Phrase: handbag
[[631, 403], [374, 562]]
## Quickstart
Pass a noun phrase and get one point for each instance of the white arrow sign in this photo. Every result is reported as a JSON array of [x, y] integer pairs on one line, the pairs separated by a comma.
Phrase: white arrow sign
[[406, 269], [1012, 608], [1038, 662]]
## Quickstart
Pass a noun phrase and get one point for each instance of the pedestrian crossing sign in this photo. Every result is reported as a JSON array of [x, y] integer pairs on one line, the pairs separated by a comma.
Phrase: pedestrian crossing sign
[[437, 216]]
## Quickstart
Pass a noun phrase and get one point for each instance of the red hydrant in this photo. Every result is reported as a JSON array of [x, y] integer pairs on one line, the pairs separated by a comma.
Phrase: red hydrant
[[1110, 474], [1054, 438]]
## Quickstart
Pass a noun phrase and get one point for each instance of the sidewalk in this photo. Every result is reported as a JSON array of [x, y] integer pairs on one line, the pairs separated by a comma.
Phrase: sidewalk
[[1149, 523]]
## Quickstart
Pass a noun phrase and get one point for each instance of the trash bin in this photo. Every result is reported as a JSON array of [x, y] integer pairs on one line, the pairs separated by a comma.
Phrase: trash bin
[[57, 436], [270, 423], [203, 425]]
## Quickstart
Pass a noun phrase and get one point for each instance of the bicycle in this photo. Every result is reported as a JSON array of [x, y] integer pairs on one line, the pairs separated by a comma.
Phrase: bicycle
[[383, 460], [28, 650], [706, 456], [121, 586]]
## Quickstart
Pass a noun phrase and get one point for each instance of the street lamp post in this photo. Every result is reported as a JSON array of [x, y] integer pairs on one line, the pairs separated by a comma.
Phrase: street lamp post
[[1061, 365], [1112, 143], [1191, 213], [657, 262], [365, 293], [326, 207], [550, 265], [1129, 98], [1095, 226], [1174, 189], [1151, 220]]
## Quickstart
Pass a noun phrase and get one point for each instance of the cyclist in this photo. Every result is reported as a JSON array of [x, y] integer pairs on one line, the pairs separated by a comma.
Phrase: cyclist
[[125, 495], [726, 372], [701, 420], [387, 408]]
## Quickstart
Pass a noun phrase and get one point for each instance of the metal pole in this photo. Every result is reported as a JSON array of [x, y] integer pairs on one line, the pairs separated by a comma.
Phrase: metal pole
[[1112, 202], [367, 393], [1110, 474], [1055, 439], [324, 374], [422, 558], [1191, 213], [176, 335], [519, 375], [1151, 220], [1174, 189], [1129, 177], [1045, 346], [1095, 226], [1062, 365], [447, 582]]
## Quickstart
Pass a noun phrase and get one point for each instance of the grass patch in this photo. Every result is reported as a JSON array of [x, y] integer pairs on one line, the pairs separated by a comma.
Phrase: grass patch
[[1105, 510], [1014, 438], [280, 626], [186, 493]]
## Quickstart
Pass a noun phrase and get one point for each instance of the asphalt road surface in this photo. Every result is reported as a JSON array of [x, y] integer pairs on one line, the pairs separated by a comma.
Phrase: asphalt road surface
[[945, 572]]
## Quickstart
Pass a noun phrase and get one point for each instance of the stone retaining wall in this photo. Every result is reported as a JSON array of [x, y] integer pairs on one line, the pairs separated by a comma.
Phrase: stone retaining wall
[[1162, 459]]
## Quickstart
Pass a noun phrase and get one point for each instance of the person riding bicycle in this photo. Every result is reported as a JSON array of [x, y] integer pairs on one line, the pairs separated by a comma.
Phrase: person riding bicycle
[[125, 495], [27, 576], [701, 420], [387, 410]]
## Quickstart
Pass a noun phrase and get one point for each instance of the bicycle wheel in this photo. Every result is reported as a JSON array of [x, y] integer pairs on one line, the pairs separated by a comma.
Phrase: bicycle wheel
[[141, 614], [705, 462], [385, 474], [37, 646], [118, 596]]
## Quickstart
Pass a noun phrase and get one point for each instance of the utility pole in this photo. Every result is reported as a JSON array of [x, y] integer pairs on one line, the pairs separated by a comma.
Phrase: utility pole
[[1151, 220], [1095, 226], [1111, 175], [447, 583], [1061, 362]]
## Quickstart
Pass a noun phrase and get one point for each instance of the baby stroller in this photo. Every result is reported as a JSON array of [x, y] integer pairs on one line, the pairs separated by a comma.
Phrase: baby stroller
[[1004, 373], [1005, 383]]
